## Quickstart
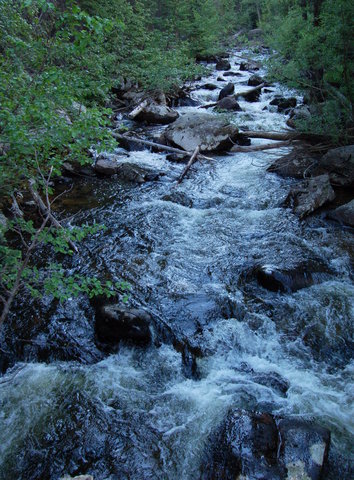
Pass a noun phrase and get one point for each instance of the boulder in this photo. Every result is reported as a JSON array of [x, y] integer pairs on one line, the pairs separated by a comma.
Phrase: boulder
[[310, 195], [154, 113], [291, 279], [223, 65], [339, 164], [344, 214], [209, 86], [261, 446], [299, 163], [247, 66], [255, 34], [129, 172], [252, 95], [209, 132], [106, 166], [221, 79], [299, 114], [229, 103], [284, 104], [116, 322], [226, 91], [255, 80]]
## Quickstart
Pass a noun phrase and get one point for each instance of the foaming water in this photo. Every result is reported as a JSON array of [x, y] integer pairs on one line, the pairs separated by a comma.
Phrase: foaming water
[[188, 251]]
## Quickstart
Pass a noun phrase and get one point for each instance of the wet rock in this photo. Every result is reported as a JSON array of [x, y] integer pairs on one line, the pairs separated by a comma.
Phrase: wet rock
[[210, 86], [226, 91], [208, 58], [310, 195], [344, 214], [221, 79], [223, 65], [304, 448], [229, 103], [284, 104], [247, 66], [297, 164], [79, 477], [187, 102], [209, 132], [252, 95], [106, 166], [291, 279], [178, 197], [157, 114], [174, 157], [299, 114], [339, 163], [129, 172], [259, 446], [232, 74], [74, 169], [272, 380], [116, 322], [255, 80]]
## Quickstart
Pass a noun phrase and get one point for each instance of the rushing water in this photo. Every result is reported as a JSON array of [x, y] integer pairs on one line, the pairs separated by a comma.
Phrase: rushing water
[[134, 414]]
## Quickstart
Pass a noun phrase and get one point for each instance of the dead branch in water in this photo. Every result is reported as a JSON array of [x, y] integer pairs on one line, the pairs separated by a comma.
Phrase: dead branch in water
[[259, 148], [189, 164]]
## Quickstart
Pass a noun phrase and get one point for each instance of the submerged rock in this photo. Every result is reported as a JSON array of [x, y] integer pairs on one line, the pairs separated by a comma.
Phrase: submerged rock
[[116, 322], [209, 132], [310, 195], [344, 214], [226, 91], [260, 446], [223, 65]]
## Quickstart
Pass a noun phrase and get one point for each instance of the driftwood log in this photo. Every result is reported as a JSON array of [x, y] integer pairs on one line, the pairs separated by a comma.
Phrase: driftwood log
[[259, 148]]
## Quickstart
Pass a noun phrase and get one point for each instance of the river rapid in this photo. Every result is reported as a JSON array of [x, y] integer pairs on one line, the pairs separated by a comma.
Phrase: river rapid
[[137, 413]]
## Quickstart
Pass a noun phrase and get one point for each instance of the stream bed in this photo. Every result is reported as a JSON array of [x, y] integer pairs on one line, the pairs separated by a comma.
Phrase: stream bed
[[187, 252]]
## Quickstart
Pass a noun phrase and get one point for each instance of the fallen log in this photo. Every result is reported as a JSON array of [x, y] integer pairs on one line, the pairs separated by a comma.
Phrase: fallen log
[[251, 90], [119, 136], [259, 148], [189, 164], [134, 113], [273, 135], [46, 211]]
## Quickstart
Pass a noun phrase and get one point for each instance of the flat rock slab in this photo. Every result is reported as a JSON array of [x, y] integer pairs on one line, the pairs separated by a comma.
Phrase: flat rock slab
[[209, 132]]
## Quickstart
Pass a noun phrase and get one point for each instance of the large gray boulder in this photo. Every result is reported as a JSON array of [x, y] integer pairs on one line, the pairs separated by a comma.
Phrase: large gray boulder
[[251, 446], [299, 163], [229, 103], [339, 164], [310, 195], [344, 214], [157, 114], [209, 132]]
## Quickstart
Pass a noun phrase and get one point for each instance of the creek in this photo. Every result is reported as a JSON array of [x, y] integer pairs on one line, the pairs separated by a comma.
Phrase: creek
[[136, 414]]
